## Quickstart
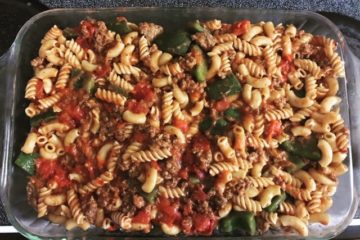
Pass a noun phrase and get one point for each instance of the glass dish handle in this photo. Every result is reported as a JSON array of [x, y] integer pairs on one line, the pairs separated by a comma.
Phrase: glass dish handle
[[3, 65], [353, 86]]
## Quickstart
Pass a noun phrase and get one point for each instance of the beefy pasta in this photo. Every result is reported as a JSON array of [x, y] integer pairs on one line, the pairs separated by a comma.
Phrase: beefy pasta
[[216, 127]]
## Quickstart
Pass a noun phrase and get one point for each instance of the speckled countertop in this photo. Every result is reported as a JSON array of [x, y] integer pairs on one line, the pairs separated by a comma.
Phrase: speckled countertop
[[345, 7]]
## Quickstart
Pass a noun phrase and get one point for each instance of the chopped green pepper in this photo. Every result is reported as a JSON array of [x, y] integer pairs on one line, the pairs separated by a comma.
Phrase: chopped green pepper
[[308, 149], [224, 87], [195, 26], [74, 72], [70, 33], [150, 197], [120, 27], [236, 221], [46, 116], [298, 162], [232, 114], [205, 124], [194, 180], [275, 202], [89, 84], [201, 68], [176, 43], [300, 93], [27, 162], [220, 127]]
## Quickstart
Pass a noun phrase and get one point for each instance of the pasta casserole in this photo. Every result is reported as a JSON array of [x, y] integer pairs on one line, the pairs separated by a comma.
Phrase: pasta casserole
[[213, 128]]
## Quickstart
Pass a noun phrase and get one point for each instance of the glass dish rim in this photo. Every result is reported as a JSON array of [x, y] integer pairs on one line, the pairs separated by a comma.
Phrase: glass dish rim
[[13, 52]]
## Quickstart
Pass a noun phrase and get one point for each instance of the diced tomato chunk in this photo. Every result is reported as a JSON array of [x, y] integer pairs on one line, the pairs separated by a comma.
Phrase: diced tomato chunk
[[222, 105], [285, 66], [199, 194], [144, 91], [137, 106], [204, 224], [155, 165], [45, 168], [241, 27], [139, 137], [142, 217], [103, 71], [201, 142], [40, 90], [184, 173], [183, 125], [273, 129], [168, 212]]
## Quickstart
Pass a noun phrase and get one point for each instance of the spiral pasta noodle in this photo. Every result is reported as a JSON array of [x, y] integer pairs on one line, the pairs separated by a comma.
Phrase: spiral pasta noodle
[[248, 204], [96, 183], [110, 97], [154, 154], [171, 192], [74, 205], [119, 82], [217, 168]]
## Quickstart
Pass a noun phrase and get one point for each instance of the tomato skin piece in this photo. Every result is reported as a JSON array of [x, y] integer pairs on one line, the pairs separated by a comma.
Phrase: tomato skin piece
[[103, 71], [137, 106], [183, 125], [142, 217], [45, 168], [241, 27], [40, 90], [222, 105], [285, 66], [199, 194], [204, 224], [273, 129], [184, 173], [168, 212], [139, 137], [201, 142], [143, 91], [155, 165]]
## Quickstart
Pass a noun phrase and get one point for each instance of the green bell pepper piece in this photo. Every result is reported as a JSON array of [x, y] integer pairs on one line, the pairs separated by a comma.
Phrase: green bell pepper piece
[[195, 26], [194, 179], [239, 221], [46, 116], [150, 197], [201, 68], [89, 84], [220, 127], [176, 43], [232, 114], [205, 124], [27, 162], [120, 27], [224, 87], [275, 202], [70, 33]]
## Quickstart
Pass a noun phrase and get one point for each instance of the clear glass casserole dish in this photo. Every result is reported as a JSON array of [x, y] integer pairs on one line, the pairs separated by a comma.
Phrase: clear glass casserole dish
[[18, 71]]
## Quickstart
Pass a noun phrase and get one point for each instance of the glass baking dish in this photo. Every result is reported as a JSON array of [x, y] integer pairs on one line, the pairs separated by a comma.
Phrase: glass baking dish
[[17, 70]]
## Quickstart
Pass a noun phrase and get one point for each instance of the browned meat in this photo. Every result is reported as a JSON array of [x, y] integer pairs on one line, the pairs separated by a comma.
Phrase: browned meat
[[162, 140], [205, 40], [138, 201], [102, 36], [150, 30], [31, 192], [90, 208], [108, 197]]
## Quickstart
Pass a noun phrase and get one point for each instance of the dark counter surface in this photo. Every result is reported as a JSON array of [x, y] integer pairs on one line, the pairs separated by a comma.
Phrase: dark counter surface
[[346, 7]]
